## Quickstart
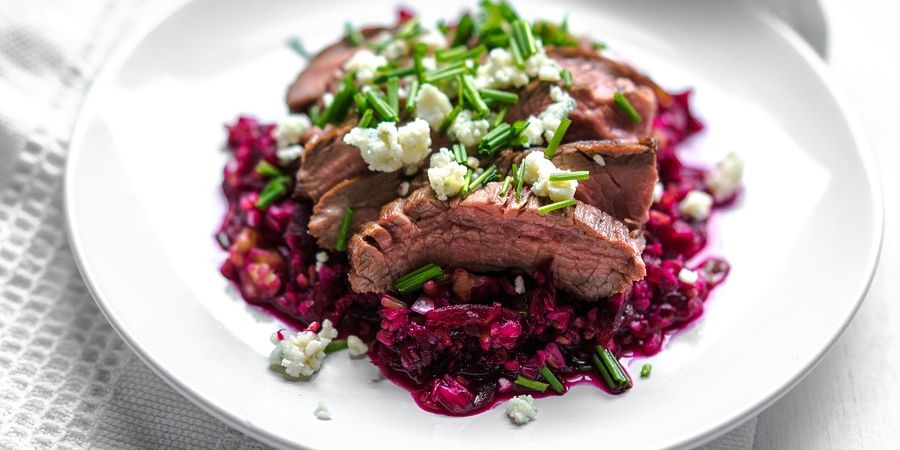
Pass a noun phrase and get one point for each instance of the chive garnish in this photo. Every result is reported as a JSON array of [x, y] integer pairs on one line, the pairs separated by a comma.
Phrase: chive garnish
[[419, 53], [597, 45], [611, 370], [383, 109], [459, 153], [409, 29], [296, 45], [500, 116], [361, 103], [411, 93], [566, 176], [557, 137], [415, 279], [517, 54], [528, 383], [515, 181], [336, 345], [459, 53], [314, 114], [626, 107], [551, 378], [464, 28], [393, 93], [566, 77], [495, 138], [499, 96], [504, 188], [366, 119], [337, 110], [645, 370], [449, 71], [472, 95], [356, 38], [485, 177], [275, 189], [546, 209], [520, 177], [396, 73], [267, 169], [344, 230], [524, 39], [445, 125], [465, 187]]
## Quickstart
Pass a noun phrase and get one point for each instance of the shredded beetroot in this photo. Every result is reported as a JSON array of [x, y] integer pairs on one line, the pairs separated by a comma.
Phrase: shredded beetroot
[[458, 342]]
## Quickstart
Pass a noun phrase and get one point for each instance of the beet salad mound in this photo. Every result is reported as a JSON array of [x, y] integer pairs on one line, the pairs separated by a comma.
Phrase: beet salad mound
[[490, 208]]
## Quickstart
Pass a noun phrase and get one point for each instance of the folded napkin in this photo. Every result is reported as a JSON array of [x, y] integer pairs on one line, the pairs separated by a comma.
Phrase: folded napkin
[[66, 379]]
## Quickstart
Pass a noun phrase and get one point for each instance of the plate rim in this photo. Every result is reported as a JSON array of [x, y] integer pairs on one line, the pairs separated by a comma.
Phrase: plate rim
[[119, 55]]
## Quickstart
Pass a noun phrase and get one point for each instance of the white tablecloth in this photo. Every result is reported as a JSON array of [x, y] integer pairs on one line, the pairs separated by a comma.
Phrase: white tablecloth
[[66, 379]]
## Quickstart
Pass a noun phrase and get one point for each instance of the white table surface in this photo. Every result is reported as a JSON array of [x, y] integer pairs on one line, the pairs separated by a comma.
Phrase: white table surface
[[852, 400]]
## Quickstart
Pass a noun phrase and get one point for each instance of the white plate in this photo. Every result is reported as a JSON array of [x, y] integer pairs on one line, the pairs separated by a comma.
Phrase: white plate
[[143, 200]]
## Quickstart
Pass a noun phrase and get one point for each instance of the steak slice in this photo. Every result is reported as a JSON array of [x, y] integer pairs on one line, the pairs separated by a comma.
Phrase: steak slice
[[590, 254], [622, 176], [594, 81], [366, 194], [327, 161], [322, 70]]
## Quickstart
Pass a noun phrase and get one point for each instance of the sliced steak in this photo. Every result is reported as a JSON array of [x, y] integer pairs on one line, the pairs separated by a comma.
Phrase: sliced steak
[[327, 161], [321, 71], [590, 253], [622, 176], [366, 194], [594, 81]]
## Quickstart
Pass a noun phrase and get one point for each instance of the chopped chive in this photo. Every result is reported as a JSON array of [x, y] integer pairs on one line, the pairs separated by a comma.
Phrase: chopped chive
[[500, 116], [504, 188], [275, 189], [645, 370], [415, 279], [484, 178], [446, 72], [546, 209], [393, 93], [336, 345], [472, 94], [528, 383], [356, 38], [597, 45], [626, 106], [517, 54], [459, 53], [360, 99], [464, 28], [500, 96], [567, 78], [337, 110], [445, 125], [519, 126], [557, 137], [314, 114], [296, 45], [459, 152], [409, 29], [465, 187], [520, 176], [383, 109], [267, 169], [344, 230], [551, 378], [396, 73], [366, 119], [566, 176], [419, 53], [564, 25], [411, 93], [611, 370], [522, 34]]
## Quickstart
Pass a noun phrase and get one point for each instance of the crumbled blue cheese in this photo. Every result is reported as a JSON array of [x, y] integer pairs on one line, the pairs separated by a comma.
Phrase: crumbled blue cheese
[[364, 63], [327, 99], [387, 148], [432, 105], [520, 409], [356, 346], [301, 354], [289, 131], [725, 179], [687, 276], [519, 284], [500, 71], [432, 38], [290, 153], [696, 205], [543, 127], [321, 259], [537, 173], [658, 190], [468, 131], [322, 413], [445, 175], [541, 66], [395, 49]]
